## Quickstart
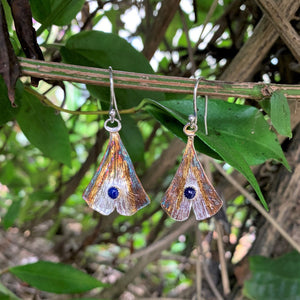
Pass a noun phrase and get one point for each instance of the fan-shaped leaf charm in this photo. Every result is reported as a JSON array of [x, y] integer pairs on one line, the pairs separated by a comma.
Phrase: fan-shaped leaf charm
[[115, 184], [190, 188]]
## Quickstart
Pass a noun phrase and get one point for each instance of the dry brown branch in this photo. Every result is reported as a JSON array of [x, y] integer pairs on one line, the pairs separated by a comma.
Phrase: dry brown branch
[[159, 27], [198, 263], [150, 82], [283, 27], [224, 272], [246, 62], [190, 49], [209, 278]]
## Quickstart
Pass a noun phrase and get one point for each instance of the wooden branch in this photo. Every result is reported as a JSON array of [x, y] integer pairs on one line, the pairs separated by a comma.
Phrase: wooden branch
[[160, 26], [245, 63], [283, 27], [149, 82], [224, 271]]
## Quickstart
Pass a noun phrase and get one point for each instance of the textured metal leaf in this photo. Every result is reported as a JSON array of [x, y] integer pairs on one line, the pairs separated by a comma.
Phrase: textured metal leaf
[[116, 171]]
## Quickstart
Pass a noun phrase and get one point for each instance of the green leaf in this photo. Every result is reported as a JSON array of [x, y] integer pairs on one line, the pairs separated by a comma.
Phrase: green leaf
[[242, 127], [236, 133], [12, 176], [57, 12], [44, 128], [280, 114], [7, 112], [6, 294], [11, 214], [56, 277], [132, 139], [100, 49], [41, 195], [274, 279], [175, 127]]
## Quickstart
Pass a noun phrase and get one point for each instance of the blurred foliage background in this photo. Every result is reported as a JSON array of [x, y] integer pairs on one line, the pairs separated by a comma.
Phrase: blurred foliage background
[[53, 246]]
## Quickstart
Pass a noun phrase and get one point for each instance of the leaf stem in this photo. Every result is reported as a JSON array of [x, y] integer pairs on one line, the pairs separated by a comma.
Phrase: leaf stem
[[45, 100], [3, 271], [150, 82]]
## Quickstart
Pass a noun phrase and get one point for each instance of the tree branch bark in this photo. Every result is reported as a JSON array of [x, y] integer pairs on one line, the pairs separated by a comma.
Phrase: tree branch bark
[[158, 83], [283, 27], [161, 23], [245, 63]]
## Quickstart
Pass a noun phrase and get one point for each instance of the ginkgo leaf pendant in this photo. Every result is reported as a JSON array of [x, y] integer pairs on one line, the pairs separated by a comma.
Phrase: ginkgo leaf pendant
[[190, 188], [115, 184]]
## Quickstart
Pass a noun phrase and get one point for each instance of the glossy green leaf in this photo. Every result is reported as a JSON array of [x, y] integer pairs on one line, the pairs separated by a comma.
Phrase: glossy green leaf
[[12, 176], [275, 279], [176, 126], [238, 134], [41, 195], [7, 112], [11, 214], [132, 139], [44, 128], [280, 114], [57, 12], [56, 277], [239, 126], [100, 49]]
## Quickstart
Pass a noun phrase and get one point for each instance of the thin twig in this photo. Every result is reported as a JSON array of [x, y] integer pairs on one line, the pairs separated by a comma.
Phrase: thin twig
[[258, 206], [209, 279], [45, 100], [224, 272], [207, 18], [198, 263], [150, 82], [190, 49], [3, 271]]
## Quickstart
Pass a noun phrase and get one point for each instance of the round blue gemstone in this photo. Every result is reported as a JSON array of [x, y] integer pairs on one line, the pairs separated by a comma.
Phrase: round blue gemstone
[[189, 192], [113, 192]]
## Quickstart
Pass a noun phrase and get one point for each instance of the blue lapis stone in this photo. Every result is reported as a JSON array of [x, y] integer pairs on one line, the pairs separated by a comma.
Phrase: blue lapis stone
[[189, 192], [113, 192]]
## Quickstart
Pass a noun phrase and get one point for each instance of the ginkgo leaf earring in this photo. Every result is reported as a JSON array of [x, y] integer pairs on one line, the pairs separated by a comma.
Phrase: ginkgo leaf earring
[[115, 184], [190, 187]]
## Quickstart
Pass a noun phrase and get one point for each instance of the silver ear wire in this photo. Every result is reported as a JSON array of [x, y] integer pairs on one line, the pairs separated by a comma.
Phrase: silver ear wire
[[113, 110], [195, 107], [205, 115]]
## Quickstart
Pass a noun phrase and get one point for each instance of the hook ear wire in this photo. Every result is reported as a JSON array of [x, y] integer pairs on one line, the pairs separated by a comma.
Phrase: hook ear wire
[[113, 110], [195, 106]]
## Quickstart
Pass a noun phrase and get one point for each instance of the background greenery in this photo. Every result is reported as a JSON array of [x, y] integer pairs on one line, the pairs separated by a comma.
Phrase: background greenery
[[52, 243]]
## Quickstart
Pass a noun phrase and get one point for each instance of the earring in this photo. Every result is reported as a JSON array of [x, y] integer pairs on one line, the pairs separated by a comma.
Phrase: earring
[[190, 187], [115, 184]]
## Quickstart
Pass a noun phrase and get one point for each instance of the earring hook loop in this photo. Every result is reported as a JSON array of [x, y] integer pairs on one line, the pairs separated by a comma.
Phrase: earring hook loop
[[195, 99]]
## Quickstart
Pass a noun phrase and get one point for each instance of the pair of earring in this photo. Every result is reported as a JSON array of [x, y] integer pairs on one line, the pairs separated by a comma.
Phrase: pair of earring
[[115, 184]]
